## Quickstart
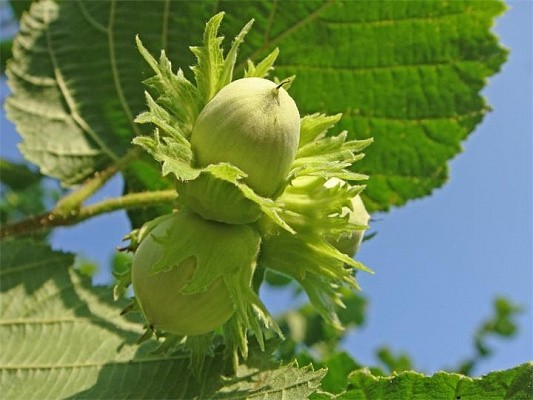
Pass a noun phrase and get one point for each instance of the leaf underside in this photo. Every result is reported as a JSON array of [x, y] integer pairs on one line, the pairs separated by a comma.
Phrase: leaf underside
[[81, 347], [408, 74]]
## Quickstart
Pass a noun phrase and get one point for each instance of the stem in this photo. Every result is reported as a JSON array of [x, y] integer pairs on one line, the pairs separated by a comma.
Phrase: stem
[[283, 83], [73, 201], [53, 218]]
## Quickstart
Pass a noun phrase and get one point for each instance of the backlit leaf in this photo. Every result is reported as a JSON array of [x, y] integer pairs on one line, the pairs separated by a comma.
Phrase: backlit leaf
[[407, 73], [63, 338]]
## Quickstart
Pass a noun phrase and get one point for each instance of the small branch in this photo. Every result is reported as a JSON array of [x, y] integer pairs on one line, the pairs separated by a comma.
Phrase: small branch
[[73, 201], [54, 218]]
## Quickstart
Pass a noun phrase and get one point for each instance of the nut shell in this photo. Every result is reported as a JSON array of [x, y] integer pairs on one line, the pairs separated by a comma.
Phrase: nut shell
[[164, 307], [253, 124]]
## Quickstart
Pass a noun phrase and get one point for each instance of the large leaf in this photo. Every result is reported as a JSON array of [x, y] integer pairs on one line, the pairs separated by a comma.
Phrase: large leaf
[[62, 338], [511, 384], [408, 73]]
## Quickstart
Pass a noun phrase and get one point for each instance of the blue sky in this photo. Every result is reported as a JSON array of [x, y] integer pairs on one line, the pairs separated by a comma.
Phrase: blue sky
[[439, 261]]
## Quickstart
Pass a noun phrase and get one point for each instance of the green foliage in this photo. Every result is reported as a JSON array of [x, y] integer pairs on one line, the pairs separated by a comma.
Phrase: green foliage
[[502, 324], [408, 74], [394, 362], [512, 384], [59, 310], [307, 332], [17, 176], [306, 210], [6, 52], [22, 192], [141, 175], [20, 6], [84, 88]]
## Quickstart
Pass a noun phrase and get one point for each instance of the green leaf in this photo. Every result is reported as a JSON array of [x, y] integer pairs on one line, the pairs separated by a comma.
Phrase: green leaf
[[22, 192], [6, 52], [285, 382], [176, 94], [512, 384], [394, 362], [400, 72], [20, 6], [17, 176], [77, 78], [408, 74], [264, 67], [502, 324], [141, 175], [307, 331], [316, 125], [46, 309], [226, 75], [6, 43], [339, 366], [210, 59], [63, 338], [54, 105]]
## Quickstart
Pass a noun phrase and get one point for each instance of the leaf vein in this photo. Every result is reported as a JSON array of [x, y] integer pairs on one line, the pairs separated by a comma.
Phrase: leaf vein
[[24, 107], [392, 21], [92, 364], [417, 120], [29, 265], [371, 68], [97, 25], [69, 99], [309, 18], [114, 68]]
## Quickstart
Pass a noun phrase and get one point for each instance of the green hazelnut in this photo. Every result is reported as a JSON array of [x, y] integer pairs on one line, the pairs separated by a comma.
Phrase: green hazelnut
[[159, 295], [253, 124], [349, 243]]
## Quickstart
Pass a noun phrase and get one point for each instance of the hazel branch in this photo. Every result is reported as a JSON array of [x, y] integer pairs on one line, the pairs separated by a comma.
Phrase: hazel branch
[[73, 201], [53, 218]]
